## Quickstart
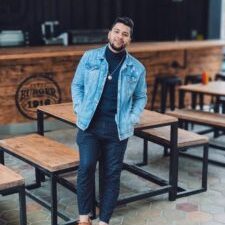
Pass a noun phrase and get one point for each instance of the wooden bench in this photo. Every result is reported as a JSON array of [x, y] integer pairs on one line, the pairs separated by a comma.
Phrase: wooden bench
[[199, 117], [213, 120], [186, 139], [48, 156], [10, 183]]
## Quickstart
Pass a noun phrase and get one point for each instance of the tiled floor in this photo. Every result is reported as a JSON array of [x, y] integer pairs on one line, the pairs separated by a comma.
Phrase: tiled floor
[[207, 208]]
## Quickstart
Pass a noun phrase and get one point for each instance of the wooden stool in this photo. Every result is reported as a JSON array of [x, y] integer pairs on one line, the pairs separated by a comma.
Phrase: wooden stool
[[221, 100], [168, 85], [10, 183], [48, 156], [195, 79], [186, 139]]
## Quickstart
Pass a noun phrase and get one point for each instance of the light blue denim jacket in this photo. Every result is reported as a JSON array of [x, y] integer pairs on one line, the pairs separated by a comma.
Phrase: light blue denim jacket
[[88, 83]]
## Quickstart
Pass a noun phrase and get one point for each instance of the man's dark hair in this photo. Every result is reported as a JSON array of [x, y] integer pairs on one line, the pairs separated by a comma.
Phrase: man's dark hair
[[126, 21]]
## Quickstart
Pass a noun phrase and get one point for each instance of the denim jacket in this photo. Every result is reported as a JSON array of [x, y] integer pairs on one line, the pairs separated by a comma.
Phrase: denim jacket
[[88, 83]]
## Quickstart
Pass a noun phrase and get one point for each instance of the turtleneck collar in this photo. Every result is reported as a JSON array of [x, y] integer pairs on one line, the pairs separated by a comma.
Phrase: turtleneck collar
[[114, 56]]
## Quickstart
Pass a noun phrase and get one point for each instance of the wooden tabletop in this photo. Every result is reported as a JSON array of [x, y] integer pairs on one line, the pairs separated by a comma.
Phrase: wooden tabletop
[[40, 150], [62, 111], [212, 88], [151, 119], [78, 50], [9, 178], [148, 118]]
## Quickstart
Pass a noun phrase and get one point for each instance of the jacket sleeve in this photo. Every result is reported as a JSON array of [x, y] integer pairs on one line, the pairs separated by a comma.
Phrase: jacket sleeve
[[77, 86], [139, 98]]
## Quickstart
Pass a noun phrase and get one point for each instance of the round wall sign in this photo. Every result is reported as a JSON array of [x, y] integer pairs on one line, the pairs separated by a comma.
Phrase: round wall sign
[[35, 91]]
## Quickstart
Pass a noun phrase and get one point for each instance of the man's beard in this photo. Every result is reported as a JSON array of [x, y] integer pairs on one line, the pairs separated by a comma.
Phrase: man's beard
[[118, 49]]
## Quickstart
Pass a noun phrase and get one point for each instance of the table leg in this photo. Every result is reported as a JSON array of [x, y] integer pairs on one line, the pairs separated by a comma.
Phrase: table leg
[[40, 130], [181, 99], [2, 160], [40, 122]]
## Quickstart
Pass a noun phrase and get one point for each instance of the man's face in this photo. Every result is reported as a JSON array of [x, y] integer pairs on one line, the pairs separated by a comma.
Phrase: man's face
[[119, 37]]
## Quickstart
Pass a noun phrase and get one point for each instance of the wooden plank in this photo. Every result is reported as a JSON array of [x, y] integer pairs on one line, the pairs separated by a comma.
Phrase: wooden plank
[[148, 118], [9, 178], [43, 52], [197, 116], [152, 118], [212, 88], [63, 111], [59, 63], [49, 154], [185, 138]]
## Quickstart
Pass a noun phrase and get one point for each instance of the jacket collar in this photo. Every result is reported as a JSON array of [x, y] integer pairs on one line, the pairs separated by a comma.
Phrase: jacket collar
[[101, 55]]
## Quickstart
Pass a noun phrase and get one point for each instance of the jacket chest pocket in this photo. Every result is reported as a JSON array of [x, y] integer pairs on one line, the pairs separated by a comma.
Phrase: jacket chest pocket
[[92, 72], [91, 76]]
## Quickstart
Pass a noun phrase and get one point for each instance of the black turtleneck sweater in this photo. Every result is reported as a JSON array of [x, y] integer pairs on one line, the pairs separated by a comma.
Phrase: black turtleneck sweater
[[107, 106]]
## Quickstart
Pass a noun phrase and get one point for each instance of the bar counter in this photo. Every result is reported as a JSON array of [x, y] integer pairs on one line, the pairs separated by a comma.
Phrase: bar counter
[[138, 47], [33, 76]]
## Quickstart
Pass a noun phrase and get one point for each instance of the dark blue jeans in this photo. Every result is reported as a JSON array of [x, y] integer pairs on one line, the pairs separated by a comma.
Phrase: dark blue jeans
[[99, 142]]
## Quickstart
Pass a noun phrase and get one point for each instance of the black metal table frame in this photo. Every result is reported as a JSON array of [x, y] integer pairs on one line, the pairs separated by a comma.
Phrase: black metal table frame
[[215, 127], [53, 187], [181, 192], [20, 189], [167, 186]]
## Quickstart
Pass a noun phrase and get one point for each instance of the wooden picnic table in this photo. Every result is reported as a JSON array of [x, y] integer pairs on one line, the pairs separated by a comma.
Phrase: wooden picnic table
[[149, 119]]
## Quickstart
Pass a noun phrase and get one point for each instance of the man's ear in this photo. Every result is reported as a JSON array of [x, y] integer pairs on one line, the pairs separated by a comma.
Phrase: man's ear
[[109, 33]]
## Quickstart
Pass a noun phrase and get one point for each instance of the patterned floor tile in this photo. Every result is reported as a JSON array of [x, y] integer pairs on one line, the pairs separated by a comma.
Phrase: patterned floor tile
[[201, 209], [187, 207]]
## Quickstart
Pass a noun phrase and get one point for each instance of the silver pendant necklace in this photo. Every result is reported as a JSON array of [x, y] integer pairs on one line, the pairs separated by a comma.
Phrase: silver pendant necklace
[[109, 76]]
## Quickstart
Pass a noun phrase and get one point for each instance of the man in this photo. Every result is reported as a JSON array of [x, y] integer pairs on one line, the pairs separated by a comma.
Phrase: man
[[109, 94]]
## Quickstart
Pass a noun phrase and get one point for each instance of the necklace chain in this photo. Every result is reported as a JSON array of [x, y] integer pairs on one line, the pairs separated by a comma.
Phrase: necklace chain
[[110, 74]]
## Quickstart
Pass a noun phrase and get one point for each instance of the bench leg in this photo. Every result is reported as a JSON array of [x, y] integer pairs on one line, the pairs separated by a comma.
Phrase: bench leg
[[53, 183], [22, 202], [204, 160], [2, 161], [145, 154], [205, 167], [166, 151], [216, 110], [38, 179], [173, 169]]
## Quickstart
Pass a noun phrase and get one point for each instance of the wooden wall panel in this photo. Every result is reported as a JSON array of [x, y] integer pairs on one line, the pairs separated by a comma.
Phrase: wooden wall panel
[[60, 69], [159, 63]]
